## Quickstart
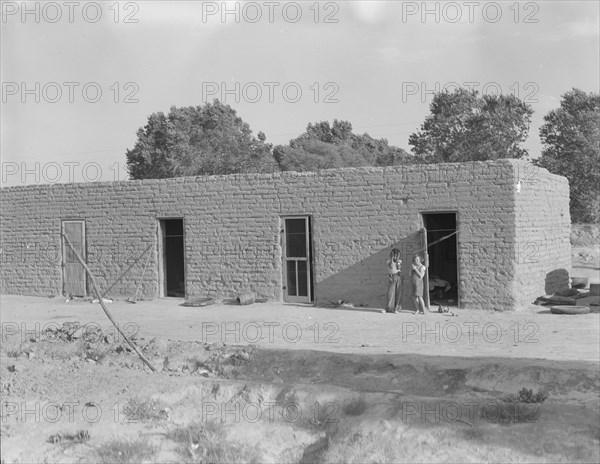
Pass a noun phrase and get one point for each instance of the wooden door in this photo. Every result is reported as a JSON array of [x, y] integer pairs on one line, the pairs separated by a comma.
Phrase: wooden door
[[74, 277]]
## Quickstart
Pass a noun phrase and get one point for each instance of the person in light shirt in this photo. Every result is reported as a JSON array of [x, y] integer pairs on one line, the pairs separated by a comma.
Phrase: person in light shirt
[[416, 280]]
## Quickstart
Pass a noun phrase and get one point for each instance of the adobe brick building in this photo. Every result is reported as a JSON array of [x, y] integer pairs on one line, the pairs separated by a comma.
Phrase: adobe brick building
[[497, 234]]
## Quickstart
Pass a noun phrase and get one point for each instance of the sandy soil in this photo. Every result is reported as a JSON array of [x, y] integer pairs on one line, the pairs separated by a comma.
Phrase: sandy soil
[[531, 333], [401, 372], [270, 383]]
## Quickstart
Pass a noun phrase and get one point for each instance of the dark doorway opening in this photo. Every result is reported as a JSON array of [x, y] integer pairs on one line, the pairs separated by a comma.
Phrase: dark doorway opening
[[443, 257], [173, 258]]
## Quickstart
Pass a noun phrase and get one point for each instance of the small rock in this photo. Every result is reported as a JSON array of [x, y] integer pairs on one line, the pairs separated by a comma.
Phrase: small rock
[[165, 413], [157, 347], [91, 361], [30, 355], [243, 355], [176, 366], [215, 346]]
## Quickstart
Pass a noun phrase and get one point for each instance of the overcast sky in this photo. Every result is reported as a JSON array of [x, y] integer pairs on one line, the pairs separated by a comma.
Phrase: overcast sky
[[98, 70]]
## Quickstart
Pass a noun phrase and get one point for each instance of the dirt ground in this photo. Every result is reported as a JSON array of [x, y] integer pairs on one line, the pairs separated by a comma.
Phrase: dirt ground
[[289, 383], [270, 383], [531, 333]]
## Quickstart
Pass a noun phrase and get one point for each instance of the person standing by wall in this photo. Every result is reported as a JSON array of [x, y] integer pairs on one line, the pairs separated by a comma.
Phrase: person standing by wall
[[394, 303], [416, 279]]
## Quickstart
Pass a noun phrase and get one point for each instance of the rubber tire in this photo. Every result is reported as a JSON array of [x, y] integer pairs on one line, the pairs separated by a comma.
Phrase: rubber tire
[[196, 302], [572, 310]]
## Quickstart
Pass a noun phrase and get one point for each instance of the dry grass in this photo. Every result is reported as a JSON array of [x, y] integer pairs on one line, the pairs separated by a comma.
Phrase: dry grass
[[119, 451], [405, 445], [207, 443], [137, 410], [14, 353]]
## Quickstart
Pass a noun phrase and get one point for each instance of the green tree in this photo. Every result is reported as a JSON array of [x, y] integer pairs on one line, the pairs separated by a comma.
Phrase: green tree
[[571, 139], [325, 146], [463, 126], [200, 140]]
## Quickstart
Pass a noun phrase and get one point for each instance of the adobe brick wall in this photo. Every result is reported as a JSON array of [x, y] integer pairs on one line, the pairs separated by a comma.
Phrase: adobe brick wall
[[232, 230], [543, 228]]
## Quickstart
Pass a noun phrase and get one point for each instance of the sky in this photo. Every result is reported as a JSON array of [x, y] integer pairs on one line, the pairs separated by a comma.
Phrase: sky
[[80, 78]]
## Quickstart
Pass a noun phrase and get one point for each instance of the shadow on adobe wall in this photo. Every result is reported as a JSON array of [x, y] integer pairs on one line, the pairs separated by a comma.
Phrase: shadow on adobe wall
[[556, 281], [366, 282]]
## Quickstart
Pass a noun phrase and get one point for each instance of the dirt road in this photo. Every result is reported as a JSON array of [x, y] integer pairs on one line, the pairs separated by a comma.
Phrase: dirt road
[[531, 333]]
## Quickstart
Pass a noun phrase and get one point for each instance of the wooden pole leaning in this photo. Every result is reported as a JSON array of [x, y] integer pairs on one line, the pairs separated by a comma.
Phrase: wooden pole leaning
[[106, 311]]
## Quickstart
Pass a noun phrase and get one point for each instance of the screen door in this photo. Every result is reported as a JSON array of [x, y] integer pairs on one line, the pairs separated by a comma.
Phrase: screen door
[[297, 262]]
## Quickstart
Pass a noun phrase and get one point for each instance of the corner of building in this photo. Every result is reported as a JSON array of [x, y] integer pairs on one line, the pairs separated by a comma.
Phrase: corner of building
[[542, 233]]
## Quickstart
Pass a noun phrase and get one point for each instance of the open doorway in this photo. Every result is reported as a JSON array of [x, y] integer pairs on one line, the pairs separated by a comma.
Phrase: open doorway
[[443, 257], [171, 258]]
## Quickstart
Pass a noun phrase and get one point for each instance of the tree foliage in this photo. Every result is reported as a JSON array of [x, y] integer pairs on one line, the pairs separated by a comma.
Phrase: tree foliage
[[464, 126], [571, 139], [200, 140], [325, 146]]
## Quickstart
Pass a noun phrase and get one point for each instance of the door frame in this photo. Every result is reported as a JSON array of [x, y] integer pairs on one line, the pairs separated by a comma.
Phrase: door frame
[[308, 221], [64, 247], [160, 258], [456, 217], [425, 252]]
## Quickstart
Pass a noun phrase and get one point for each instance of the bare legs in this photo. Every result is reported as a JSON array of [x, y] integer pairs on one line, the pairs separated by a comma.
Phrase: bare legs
[[419, 305]]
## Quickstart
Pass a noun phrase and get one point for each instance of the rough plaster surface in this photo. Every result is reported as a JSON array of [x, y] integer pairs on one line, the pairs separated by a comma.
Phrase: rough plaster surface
[[543, 230], [512, 245]]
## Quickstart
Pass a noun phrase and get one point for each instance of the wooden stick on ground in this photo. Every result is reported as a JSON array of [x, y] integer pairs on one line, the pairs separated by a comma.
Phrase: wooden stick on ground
[[106, 311]]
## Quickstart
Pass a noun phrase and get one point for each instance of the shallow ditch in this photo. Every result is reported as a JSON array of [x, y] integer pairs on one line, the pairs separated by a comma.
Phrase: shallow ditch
[[334, 418], [304, 406]]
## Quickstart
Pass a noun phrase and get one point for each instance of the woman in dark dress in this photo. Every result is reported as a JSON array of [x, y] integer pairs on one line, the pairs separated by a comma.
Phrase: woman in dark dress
[[416, 280]]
